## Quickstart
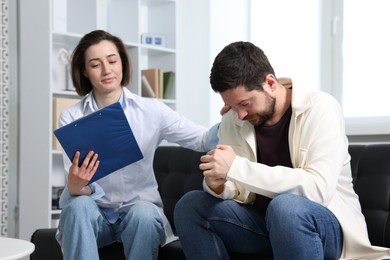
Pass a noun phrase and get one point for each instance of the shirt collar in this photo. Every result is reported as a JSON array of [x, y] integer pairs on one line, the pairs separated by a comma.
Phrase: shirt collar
[[130, 98], [90, 102]]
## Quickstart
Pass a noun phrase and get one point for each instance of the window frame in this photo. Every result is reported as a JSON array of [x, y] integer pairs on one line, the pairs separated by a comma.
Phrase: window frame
[[355, 126], [331, 66]]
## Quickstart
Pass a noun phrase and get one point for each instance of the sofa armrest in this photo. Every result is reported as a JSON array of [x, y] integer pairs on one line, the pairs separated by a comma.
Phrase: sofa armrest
[[46, 246]]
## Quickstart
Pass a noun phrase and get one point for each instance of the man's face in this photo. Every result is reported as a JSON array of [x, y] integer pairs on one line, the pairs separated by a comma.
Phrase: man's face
[[257, 107]]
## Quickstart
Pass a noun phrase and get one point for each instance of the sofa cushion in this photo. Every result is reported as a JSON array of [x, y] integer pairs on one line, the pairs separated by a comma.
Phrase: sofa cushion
[[46, 246], [371, 171], [177, 172]]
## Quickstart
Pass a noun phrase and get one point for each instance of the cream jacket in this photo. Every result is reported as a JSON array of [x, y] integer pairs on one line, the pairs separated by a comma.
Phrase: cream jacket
[[321, 167]]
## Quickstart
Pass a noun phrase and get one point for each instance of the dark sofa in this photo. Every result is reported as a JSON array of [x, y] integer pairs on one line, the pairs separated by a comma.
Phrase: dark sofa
[[177, 172]]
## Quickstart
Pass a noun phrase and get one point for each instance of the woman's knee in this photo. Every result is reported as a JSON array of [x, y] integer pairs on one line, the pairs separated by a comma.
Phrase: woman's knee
[[144, 211], [79, 212], [80, 205], [144, 216]]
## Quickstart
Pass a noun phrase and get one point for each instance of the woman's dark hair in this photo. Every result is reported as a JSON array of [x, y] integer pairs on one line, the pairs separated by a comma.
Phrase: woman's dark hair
[[81, 83], [240, 63]]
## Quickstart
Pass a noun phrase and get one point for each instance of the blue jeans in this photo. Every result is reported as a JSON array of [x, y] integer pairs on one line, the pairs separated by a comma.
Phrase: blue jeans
[[84, 229], [292, 228]]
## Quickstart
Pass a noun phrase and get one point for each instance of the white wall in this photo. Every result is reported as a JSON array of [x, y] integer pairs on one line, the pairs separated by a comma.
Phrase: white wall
[[193, 59], [204, 28], [288, 32]]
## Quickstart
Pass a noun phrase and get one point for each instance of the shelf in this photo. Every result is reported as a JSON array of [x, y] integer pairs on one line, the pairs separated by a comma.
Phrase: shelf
[[156, 2], [55, 212], [156, 50], [66, 38], [56, 152], [65, 93], [171, 103]]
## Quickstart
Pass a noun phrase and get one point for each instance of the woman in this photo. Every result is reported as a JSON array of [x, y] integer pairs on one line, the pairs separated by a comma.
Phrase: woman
[[125, 205]]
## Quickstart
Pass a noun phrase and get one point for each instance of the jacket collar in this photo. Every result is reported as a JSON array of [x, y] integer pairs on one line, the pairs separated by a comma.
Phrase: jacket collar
[[246, 130], [300, 102]]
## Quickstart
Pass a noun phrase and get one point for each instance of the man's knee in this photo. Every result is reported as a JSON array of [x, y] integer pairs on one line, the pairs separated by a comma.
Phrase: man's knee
[[286, 206], [189, 202]]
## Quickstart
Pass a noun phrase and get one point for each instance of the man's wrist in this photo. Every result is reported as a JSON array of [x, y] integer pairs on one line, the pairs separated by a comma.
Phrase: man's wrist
[[219, 189]]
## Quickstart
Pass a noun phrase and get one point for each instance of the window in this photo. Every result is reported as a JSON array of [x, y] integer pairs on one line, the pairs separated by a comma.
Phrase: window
[[337, 46], [365, 66], [288, 32]]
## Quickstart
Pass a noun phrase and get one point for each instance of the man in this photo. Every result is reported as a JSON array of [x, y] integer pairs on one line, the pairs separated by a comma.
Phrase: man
[[281, 182]]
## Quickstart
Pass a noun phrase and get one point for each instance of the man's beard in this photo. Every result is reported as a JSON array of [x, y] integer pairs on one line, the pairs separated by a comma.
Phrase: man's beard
[[262, 118]]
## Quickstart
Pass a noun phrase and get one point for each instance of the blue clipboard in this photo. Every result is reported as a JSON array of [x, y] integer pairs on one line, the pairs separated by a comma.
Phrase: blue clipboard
[[108, 133]]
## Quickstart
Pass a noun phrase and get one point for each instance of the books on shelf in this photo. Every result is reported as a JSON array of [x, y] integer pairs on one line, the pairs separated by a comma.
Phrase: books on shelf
[[154, 78], [168, 82], [157, 83], [59, 104], [147, 90]]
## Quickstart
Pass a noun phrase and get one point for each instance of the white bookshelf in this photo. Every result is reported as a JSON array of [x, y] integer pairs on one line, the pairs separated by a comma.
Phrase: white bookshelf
[[46, 27]]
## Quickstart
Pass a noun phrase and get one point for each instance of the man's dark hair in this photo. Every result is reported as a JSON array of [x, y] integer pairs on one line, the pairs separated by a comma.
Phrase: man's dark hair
[[240, 63]]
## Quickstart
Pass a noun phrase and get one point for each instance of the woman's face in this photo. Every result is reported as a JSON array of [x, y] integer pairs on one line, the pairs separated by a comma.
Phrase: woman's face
[[103, 67]]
